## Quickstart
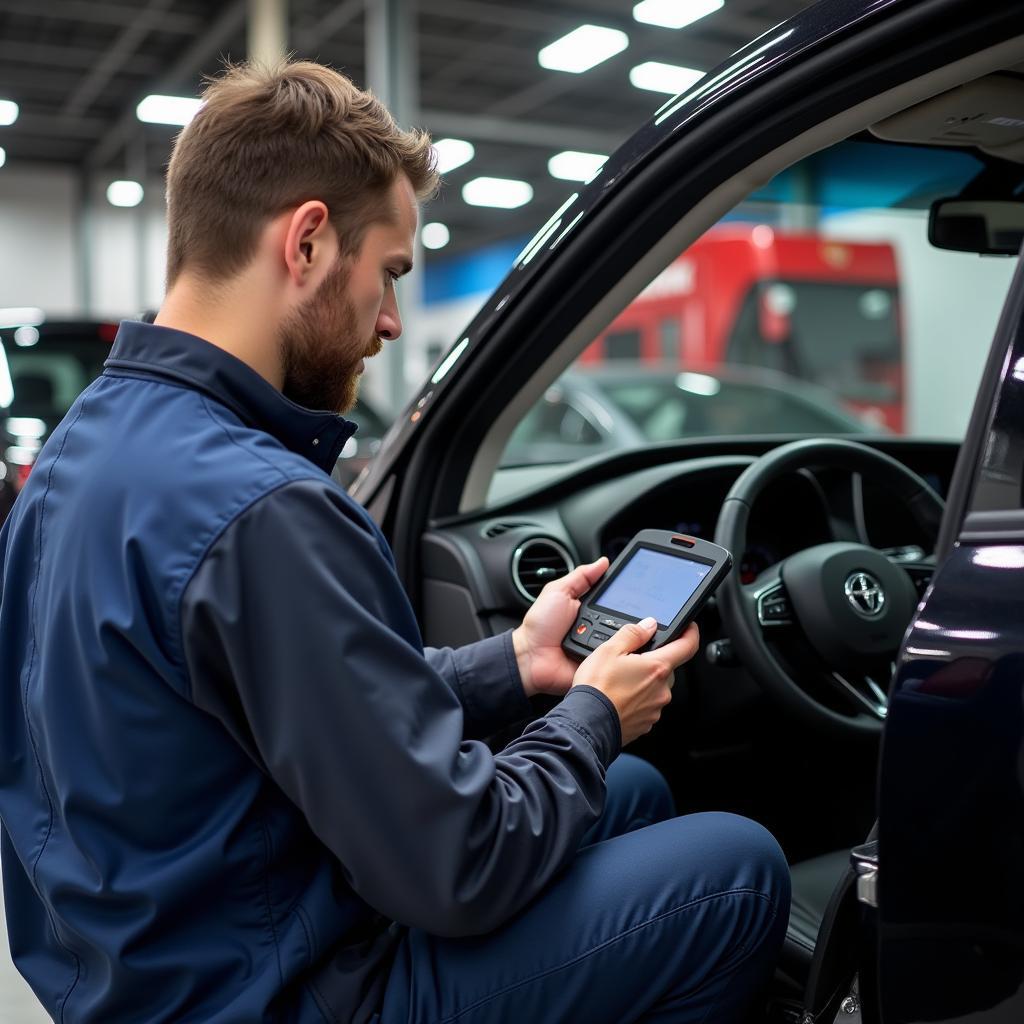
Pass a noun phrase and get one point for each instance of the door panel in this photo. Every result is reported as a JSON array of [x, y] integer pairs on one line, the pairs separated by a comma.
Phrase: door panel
[[951, 804]]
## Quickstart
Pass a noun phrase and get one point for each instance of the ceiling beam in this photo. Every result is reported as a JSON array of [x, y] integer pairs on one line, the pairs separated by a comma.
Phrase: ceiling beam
[[96, 12], [48, 125], [503, 15], [312, 35], [520, 132], [48, 55], [123, 47], [189, 65]]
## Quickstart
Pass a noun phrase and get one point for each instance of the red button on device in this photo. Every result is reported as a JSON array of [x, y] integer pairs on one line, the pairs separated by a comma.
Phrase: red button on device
[[581, 629]]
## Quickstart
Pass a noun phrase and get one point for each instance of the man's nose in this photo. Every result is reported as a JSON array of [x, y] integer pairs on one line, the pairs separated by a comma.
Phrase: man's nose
[[389, 320]]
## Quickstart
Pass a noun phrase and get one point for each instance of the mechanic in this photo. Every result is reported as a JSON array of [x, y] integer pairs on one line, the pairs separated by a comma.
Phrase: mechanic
[[233, 785]]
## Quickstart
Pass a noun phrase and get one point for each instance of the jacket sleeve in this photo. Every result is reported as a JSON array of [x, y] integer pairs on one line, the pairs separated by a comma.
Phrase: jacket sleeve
[[485, 678], [298, 636]]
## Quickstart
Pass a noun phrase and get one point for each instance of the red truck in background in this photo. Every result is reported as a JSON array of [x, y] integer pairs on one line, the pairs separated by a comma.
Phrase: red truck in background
[[815, 308]]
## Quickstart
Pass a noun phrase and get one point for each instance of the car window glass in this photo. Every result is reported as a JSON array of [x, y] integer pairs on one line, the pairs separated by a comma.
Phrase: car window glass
[[816, 306], [999, 486]]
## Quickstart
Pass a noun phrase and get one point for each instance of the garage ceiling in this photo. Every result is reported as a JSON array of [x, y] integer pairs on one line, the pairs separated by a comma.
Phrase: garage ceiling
[[77, 69]]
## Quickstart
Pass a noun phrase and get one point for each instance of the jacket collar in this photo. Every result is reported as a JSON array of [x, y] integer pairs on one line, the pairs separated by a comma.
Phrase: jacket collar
[[163, 352]]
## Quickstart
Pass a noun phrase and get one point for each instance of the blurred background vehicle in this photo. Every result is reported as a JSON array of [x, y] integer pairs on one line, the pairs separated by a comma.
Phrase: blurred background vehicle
[[363, 445], [764, 296], [594, 409], [44, 365]]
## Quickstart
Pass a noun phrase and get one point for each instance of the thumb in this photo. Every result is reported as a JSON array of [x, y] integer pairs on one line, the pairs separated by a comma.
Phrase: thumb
[[633, 635], [583, 577]]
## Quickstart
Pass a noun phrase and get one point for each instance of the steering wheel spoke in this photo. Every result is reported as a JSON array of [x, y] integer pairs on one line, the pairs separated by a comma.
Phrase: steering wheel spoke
[[916, 563], [864, 690], [770, 600]]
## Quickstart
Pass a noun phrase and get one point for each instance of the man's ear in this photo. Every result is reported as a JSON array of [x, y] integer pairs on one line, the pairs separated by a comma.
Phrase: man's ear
[[309, 243]]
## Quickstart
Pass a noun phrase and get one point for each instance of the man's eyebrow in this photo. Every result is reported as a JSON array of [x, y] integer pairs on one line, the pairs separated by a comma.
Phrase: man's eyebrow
[[404, 265]]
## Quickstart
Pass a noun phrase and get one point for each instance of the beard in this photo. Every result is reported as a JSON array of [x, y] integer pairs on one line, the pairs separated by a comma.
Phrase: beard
[[321, 348]]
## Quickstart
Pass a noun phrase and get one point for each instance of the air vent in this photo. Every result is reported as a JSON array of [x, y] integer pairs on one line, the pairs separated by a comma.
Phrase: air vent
[[497, 529], [536, 563]]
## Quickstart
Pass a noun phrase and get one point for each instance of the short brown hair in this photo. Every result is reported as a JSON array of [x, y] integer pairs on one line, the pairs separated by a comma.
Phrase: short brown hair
[[269, 138]]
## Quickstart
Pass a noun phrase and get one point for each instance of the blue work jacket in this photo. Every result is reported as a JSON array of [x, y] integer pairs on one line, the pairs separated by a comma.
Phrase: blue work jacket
[[230, 775]]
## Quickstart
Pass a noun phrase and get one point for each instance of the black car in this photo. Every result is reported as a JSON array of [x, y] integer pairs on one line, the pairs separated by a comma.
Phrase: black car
[[864, 670]]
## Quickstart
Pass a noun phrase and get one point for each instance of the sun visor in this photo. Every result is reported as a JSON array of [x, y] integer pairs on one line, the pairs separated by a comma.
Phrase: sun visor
[[987, 113]]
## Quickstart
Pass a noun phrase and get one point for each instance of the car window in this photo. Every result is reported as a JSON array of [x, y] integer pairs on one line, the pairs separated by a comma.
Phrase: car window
[[555, 420], [47, 375], [816, 306]]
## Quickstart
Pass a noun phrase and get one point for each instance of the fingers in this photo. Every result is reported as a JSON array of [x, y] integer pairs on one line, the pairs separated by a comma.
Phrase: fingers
[[582, 578], [632, 636], [679, 651]]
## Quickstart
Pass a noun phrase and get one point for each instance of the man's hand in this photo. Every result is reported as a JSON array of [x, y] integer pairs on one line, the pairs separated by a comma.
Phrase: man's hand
[[543, 665], [639, 685]]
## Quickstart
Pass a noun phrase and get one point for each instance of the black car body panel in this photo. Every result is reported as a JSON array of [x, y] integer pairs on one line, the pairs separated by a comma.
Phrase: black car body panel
[[951, 807]]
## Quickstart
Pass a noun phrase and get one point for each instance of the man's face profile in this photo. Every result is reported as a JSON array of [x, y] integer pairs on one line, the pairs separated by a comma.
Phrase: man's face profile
[[325, 341]]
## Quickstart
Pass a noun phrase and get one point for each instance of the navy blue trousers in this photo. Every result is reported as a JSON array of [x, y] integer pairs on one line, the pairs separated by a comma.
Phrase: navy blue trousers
[[658, 919]]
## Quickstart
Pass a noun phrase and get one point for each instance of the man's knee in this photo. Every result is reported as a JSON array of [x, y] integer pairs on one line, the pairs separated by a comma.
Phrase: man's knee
[[638, 782], [743, 857]]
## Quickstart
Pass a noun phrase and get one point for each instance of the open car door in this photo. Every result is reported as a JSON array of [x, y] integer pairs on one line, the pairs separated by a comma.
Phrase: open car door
[[949, 924]]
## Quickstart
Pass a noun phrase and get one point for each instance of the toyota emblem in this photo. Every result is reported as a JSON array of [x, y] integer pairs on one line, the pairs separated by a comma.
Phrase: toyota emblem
[[865, 594]]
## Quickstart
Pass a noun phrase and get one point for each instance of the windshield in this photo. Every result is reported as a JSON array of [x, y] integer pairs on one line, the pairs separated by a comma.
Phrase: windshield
[[816, 306]]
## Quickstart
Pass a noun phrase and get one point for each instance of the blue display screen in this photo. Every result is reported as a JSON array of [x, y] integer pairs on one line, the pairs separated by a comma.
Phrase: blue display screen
[[653, 583]]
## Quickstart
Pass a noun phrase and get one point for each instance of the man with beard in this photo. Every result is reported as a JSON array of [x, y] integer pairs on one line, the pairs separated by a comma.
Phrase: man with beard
[[233, 785]]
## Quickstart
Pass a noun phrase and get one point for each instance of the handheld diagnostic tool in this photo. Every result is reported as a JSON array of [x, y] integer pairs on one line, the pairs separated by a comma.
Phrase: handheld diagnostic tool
[[660, 574]]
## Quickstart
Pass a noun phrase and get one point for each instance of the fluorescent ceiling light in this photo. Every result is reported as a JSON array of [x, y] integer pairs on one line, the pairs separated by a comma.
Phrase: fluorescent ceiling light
[[8, 112], [26, 426], [124, 193], [3, 156], [452, 153], [675, 13], [583, 48], [435, 235], [178, 110], [504, 193], [670, 78], [573, 166], [17, 316]]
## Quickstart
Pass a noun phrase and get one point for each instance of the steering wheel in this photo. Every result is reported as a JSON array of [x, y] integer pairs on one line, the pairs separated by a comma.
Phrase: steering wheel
[[836, 612]]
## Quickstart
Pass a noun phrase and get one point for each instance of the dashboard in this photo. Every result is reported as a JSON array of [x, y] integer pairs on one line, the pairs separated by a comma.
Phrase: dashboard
[[476, 568], [691, 507], [723, 743]]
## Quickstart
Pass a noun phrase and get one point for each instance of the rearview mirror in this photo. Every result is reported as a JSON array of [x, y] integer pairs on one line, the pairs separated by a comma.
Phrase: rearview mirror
[[991, 227]]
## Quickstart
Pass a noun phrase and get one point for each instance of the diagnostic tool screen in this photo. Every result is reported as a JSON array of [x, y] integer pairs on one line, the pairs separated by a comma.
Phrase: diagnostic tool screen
[[653, 583]]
